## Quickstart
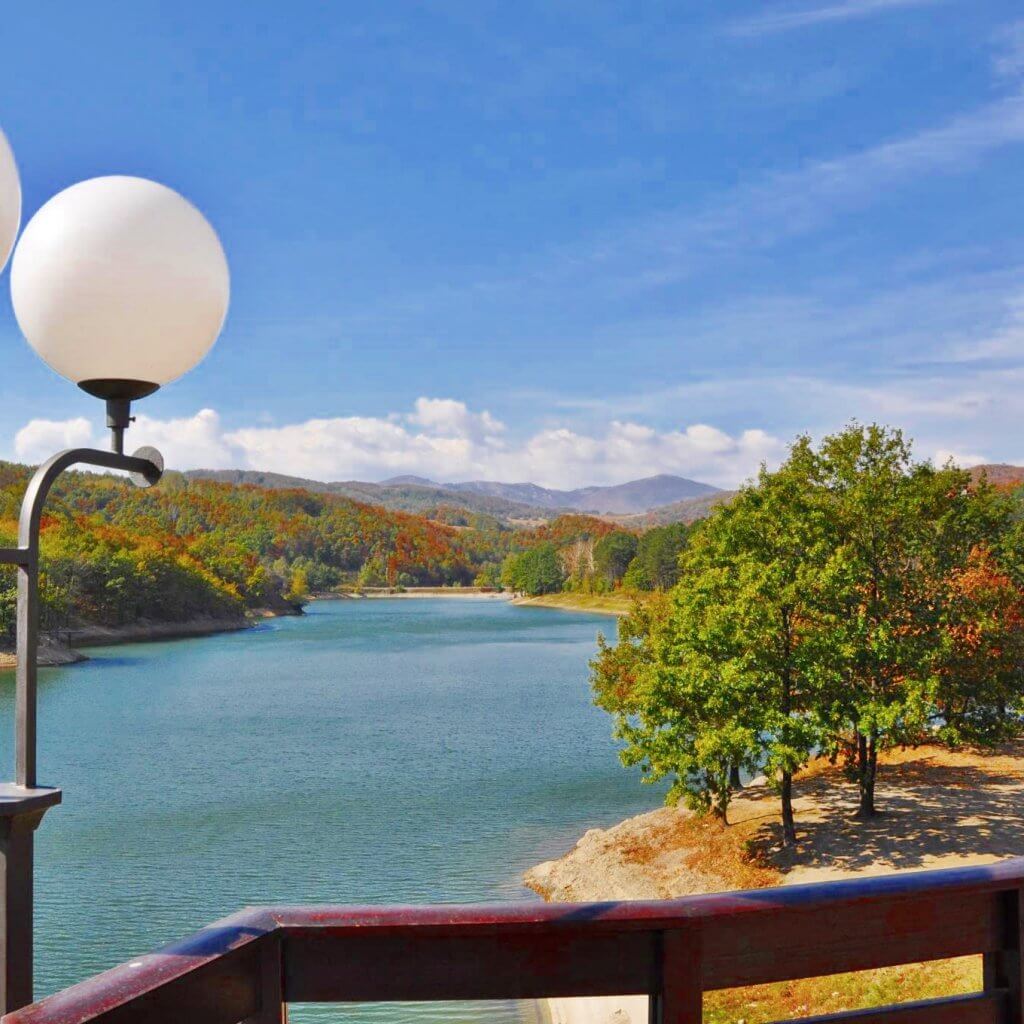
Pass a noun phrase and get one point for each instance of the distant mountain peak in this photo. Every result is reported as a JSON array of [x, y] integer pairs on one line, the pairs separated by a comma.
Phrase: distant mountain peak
[[409, 479]]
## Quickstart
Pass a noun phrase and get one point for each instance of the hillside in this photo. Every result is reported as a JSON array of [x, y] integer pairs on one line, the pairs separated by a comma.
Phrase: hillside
[[687, 511], [1001, 474], [194, 549]]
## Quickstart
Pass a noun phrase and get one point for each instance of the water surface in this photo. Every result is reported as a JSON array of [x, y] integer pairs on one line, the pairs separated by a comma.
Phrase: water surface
[[372, 751]]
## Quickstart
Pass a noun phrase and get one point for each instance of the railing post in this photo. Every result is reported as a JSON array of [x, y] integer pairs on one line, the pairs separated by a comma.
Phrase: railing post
[[273, 1009], [1003, 970], [680, 999]]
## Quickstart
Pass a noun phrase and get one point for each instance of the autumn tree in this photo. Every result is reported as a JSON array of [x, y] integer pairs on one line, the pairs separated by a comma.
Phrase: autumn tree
[[980, 684], [903, 532]]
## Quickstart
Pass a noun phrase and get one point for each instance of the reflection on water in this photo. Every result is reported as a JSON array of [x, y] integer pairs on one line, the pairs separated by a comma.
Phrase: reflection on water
[[372, 751]]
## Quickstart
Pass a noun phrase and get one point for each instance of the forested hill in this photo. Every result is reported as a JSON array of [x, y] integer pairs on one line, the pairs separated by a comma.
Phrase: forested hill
[[114, 554], [404, 494]]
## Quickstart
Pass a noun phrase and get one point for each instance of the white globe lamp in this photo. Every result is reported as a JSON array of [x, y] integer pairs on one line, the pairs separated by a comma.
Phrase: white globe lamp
[[121, 285], [10, 200]]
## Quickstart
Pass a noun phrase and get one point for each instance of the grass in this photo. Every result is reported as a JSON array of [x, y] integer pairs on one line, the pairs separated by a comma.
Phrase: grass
[[760, 1004], [607, 604]]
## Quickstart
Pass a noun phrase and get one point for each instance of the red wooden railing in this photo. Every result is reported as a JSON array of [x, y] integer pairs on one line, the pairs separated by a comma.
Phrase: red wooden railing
[[249, 966]]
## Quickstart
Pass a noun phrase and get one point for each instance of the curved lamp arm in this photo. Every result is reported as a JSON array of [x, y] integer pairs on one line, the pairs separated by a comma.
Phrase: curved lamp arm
[[146, 467]]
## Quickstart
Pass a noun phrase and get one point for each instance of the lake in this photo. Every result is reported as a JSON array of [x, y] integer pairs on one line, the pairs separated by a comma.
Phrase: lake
[[387, 751]]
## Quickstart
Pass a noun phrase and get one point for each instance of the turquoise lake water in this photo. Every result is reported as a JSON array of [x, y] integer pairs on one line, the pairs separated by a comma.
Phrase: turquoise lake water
[[388, 751]]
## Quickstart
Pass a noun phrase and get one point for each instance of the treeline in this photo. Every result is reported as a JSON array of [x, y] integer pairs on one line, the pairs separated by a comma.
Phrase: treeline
[[852, 601], [590, 556]]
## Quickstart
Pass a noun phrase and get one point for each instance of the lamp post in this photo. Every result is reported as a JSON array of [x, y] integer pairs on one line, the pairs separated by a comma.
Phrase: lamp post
[[120, 285]]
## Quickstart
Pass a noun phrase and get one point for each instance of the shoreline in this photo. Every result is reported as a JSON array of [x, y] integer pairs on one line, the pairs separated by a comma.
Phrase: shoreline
[[61, 646], [597, 604], [415, 593]]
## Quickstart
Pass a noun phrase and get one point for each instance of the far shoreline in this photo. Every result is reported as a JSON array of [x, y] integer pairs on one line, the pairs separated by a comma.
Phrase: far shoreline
[[412, 593], [61, 647]]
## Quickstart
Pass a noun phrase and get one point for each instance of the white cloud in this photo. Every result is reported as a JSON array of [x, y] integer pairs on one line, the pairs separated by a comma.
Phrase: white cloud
[[447, 416], [442, 439], [39, 439], [796, 18], [962, 459], [192, 441], [626, 450], [350, 447]]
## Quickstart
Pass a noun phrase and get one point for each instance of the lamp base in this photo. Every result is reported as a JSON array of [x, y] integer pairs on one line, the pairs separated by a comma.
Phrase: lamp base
[[119, 395], [108, 388]]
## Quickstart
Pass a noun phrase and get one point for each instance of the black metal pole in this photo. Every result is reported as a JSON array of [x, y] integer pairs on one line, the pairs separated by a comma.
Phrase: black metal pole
[[23, 802]]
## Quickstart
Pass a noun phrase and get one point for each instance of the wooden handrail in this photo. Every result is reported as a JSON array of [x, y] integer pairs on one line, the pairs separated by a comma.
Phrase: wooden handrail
[[245, 967]]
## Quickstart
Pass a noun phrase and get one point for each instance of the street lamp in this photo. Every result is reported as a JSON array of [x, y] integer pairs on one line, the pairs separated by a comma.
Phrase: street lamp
[[120, 285]]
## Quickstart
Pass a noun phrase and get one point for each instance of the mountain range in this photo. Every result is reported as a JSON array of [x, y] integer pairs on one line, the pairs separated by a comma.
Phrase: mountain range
[[507, 501], [618, 499]]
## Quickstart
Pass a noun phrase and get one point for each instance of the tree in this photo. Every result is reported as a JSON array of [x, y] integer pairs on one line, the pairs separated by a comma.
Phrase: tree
[[298, 587], [656, 565], [725, 677], [980, 664], [899, 526], [489, 576], [613, 554], [535, 571], [675, 724]]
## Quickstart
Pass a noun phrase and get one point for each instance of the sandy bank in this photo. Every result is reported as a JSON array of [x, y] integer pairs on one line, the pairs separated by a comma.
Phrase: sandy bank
[[600, 604], [940, 809]]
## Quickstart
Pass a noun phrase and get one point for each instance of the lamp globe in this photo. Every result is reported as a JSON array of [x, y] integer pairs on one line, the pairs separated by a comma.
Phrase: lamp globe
[[10, 200], [121, 285]]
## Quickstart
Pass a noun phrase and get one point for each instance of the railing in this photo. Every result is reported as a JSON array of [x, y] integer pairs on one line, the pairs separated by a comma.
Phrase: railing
[[250, 966]]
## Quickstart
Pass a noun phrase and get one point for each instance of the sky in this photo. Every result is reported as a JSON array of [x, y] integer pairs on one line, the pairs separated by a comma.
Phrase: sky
[[573, 242]]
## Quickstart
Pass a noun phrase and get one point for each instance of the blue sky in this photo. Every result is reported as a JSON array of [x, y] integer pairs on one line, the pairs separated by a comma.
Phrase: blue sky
[[570, 241]]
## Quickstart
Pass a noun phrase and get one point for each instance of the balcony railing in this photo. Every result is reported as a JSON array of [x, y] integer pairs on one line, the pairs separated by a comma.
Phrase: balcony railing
[[250, 966]]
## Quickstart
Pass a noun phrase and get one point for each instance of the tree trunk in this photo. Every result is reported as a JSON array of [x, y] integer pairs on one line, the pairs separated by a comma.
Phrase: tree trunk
[[735, 782], [867, 769], [788, 822]]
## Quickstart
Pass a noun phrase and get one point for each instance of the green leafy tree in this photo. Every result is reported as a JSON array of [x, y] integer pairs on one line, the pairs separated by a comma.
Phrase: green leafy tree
[[535, 571], [488, 577], [727, 675], [613, 554], [656, 565], [899, 528], [298, 587]]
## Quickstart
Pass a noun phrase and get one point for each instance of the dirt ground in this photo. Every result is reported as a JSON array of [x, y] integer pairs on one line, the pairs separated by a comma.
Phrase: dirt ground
[[938, 808]]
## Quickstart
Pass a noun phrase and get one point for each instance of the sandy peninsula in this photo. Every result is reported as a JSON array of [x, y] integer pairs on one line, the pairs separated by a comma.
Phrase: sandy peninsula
[[940, 809]]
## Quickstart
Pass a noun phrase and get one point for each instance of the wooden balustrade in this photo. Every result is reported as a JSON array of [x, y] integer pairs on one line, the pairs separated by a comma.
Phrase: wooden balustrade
[[249, 966]]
